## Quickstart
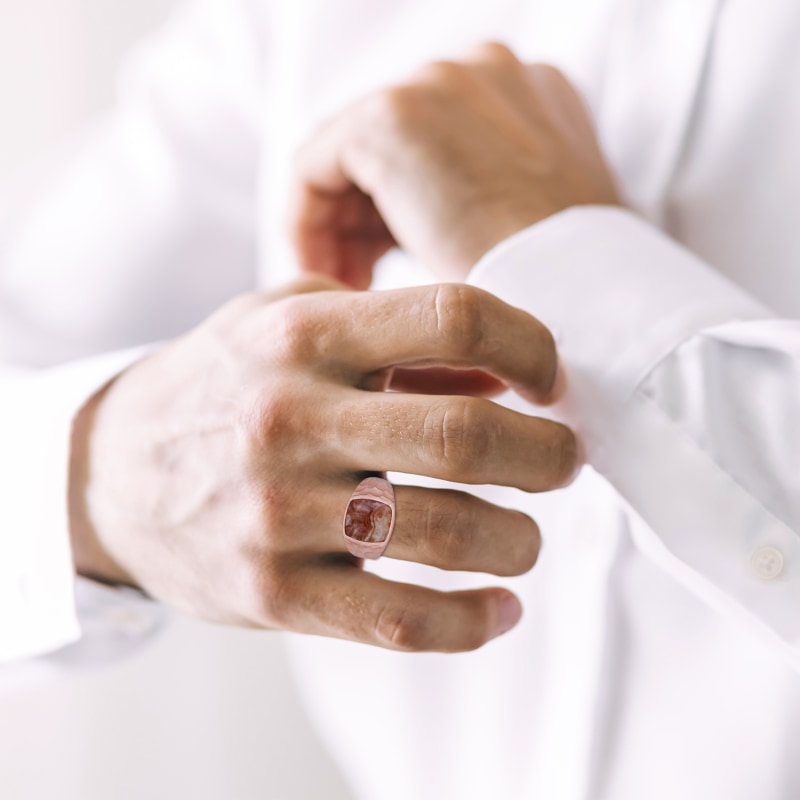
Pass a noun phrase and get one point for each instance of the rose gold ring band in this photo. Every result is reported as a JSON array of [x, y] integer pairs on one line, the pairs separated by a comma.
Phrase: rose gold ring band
[[369, 518]]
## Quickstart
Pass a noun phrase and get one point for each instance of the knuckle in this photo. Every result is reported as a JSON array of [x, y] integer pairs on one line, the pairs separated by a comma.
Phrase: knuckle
[[401, 628], [455, 546], [452, 532], [443, 74], [460, 436], [496, 52], [297, 330], [458, 312], [270, 422], [547, 74]]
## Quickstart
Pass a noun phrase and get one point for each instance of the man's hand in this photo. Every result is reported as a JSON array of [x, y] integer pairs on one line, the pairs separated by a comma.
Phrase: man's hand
[[215, 474], [446, 165]]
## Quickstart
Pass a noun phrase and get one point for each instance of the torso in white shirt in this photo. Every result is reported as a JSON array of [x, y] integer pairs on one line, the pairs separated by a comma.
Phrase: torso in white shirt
[[618, 684]]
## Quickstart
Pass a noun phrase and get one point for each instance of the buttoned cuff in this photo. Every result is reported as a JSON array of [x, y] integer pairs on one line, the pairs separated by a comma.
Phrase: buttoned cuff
[[37, 583], [618, 296], [705, 528]]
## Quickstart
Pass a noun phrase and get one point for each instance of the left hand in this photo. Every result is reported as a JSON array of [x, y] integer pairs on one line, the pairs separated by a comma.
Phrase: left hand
[[215, 473], [446, 165]]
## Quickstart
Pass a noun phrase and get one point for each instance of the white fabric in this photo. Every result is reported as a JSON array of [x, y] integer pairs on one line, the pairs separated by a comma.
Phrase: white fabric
[[37, 607], [659, 650]]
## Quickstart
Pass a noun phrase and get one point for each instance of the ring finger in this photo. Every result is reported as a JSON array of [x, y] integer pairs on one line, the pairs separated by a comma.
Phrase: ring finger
[[443, 528], [455, 530]]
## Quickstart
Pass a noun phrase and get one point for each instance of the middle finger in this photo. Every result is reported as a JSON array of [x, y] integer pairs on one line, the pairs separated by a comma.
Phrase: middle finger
[[455, 438]]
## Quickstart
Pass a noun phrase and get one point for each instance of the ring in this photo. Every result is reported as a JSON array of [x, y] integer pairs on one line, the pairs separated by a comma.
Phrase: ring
[[369, 518]]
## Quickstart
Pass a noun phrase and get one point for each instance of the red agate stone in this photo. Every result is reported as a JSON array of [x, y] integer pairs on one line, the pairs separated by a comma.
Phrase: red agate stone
[[369, 518]]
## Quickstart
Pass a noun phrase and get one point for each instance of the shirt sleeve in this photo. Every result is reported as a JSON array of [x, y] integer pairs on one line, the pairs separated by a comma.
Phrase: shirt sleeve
[[685, 391], [38, 612], [104, 255]]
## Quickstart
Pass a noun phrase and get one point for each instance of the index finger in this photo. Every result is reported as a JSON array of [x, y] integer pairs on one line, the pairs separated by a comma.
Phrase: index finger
[[450, 325]]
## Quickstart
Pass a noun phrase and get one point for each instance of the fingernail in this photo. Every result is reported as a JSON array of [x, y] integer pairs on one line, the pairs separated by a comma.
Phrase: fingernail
[[509, 613]]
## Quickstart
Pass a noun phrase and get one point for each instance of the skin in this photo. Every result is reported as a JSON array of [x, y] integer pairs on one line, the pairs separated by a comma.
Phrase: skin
[[447, 165], [214, 475]]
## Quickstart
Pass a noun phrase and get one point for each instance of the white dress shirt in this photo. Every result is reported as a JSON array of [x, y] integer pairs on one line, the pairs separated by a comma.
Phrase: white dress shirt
[[658, 653]]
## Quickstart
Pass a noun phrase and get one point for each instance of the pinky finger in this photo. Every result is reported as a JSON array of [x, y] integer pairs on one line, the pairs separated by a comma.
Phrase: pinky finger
[[343, 601]]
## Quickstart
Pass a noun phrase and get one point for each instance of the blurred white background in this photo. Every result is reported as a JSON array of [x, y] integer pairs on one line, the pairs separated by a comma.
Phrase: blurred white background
[[58, 60], [203, 713]]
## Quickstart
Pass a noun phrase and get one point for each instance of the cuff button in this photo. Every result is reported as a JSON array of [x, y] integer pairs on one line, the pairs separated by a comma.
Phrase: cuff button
[[767, 563]]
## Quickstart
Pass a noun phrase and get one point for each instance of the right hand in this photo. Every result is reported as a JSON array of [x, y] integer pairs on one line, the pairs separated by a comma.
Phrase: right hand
[[214, 475], [447, 164]]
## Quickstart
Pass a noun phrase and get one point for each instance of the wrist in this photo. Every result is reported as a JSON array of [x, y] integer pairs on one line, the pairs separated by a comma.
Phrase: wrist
[[503, 226], [90, 558]]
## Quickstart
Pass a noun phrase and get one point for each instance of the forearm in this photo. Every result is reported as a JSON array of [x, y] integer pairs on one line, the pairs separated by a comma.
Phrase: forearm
[[90, 558]]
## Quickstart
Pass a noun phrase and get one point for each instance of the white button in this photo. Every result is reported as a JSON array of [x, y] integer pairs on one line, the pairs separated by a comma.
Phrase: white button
[[767, 563]]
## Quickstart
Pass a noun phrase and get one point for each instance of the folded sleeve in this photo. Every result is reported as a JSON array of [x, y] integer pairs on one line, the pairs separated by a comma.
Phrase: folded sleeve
[[685, 391]]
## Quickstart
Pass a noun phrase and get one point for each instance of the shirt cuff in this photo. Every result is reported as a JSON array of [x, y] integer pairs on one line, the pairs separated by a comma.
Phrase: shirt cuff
[[713, 535], [618, 296], [37, 582]]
